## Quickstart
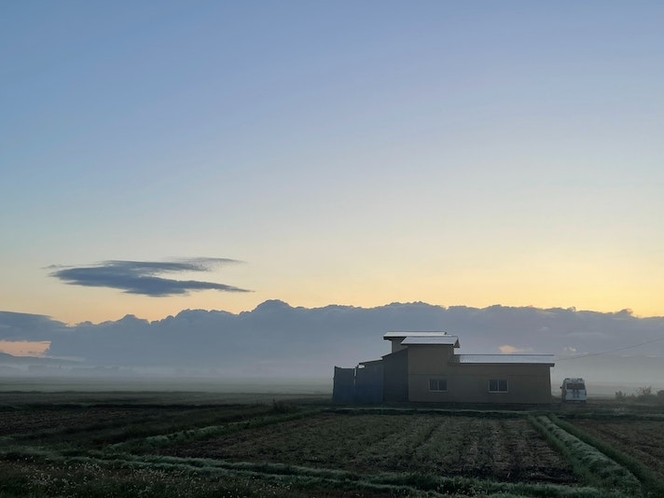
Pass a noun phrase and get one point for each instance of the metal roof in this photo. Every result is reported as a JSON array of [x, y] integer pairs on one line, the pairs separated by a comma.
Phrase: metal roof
[[369, 362], [401, 335], [514, 359], [446, 340]]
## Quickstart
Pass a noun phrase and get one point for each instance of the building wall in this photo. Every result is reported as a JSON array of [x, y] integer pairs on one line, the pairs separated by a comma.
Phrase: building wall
[[395, 376], [426, 363], [369, 382], [396, 344], [429, 359], [363, 384], [468, 383], [344, 385]]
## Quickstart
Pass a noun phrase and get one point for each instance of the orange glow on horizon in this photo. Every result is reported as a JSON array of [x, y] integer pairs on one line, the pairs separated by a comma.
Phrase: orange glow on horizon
[[24, 348]]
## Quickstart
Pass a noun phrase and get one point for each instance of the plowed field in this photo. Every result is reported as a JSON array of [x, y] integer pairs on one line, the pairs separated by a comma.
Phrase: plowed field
[[641, 439], [507, 449], [95, 426], [27, 422]]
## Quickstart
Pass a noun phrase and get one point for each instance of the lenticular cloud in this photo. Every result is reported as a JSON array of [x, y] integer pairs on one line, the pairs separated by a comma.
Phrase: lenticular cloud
[[143, 277]]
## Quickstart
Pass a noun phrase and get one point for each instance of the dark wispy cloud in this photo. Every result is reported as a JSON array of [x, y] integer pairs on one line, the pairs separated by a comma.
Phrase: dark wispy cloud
[[142, 277]]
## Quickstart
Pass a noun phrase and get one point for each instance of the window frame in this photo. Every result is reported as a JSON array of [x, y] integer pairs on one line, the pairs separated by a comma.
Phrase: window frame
[[498, 389], [438, 383]]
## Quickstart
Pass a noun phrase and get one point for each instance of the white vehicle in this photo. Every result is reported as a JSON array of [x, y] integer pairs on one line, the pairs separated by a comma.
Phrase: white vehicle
[[574, 391]]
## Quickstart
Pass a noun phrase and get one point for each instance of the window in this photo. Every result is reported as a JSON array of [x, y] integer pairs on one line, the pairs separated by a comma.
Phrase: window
[[438, 385], [498, 386]]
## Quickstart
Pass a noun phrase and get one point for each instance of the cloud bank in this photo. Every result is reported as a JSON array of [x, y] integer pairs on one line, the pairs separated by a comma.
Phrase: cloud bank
[[276, 339], [141, 277]]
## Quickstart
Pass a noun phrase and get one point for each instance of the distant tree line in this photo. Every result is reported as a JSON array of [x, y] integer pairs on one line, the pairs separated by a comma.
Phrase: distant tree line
[[642, 395]]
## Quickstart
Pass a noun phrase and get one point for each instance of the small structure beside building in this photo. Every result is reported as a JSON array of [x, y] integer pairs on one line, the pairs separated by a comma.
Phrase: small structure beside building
[[423, 367], [573, 390]]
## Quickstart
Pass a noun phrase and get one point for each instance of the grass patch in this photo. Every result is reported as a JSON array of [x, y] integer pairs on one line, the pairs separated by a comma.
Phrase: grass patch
[[588, 462], [146, 475], [120, 450], [188, 435], [652, 485]]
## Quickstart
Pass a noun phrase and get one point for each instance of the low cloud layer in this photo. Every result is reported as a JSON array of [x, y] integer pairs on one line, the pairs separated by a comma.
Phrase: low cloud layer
[[141, 277], [277, 339]]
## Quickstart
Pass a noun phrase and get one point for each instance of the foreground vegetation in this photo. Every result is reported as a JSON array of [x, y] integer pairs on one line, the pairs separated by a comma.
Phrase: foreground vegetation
[[309, 448]]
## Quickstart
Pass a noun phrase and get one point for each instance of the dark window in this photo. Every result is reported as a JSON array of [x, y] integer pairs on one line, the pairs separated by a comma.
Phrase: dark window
[[498, 386], [437, 384], [576, 386]]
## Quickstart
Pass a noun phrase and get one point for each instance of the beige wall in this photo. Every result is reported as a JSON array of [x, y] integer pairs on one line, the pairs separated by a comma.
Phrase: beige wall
[[425, 359], [470, 383]]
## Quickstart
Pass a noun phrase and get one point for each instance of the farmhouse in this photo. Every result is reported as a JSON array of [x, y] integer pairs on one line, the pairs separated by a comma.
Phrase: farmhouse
[[423, 367]]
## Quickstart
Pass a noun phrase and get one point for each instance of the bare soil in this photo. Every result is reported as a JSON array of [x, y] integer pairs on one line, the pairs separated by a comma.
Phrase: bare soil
[[641, 439], [31, 421], [503, 449]]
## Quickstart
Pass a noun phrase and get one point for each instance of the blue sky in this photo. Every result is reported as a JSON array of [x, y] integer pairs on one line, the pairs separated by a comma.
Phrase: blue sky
[[343, 152]]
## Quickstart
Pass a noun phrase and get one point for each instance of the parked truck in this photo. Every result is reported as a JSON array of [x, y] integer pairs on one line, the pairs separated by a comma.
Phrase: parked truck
[[573, 390]]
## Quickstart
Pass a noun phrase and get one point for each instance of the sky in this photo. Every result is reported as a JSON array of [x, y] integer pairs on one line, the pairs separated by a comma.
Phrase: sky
[[157, 156]]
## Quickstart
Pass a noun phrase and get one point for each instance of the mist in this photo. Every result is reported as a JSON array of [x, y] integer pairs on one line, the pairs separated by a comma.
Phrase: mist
[[279, 344]]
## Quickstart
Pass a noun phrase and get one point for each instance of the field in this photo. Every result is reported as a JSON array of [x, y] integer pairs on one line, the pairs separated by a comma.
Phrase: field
[[643, 440], [504, 449], [191, 444]]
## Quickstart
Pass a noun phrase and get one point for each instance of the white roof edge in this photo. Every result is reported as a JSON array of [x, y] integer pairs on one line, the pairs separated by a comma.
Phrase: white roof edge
[[523, 359], [444, 340], [413, 333]]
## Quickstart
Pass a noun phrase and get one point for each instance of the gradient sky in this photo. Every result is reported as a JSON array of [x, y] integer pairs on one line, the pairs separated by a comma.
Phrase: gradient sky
[[355, 153]]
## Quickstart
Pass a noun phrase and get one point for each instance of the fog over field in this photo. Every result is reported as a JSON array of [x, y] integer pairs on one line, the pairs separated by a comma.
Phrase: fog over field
[[276, 341]]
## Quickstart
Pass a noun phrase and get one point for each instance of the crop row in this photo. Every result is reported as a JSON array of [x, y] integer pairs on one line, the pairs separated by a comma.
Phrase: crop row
[[636, 445], [153, 443], [588, 461], [505, 449], [96, 427], [106, 475], [283, 450]]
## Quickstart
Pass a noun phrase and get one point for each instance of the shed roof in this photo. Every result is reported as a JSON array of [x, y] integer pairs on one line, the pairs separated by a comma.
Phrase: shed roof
[[369, 363], [503, 359], [440, 340]]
